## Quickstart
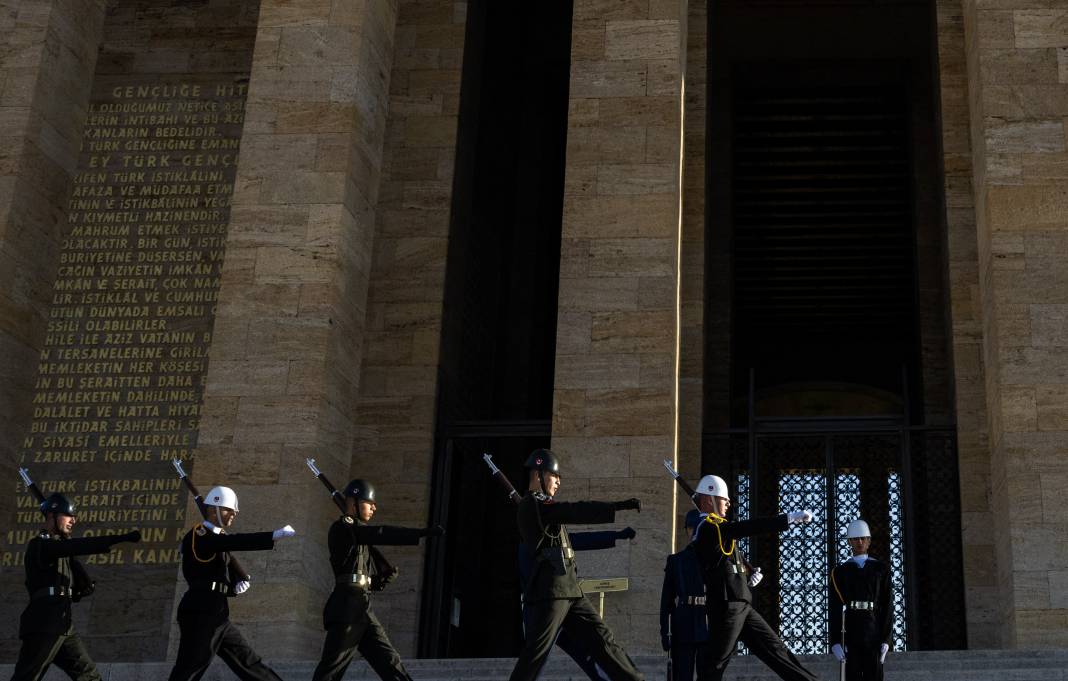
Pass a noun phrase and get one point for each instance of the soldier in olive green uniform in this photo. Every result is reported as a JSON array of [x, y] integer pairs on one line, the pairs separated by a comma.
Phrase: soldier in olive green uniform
[[347, 617], [54, 579], [552, 595]]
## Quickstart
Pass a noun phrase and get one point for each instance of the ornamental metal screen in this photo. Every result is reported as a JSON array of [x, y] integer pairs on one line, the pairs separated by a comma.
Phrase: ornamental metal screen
[[891, 479]]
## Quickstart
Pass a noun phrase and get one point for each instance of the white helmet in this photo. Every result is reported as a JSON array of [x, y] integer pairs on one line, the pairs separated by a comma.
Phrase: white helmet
[[858, 529], [713, 486], [222, 496]]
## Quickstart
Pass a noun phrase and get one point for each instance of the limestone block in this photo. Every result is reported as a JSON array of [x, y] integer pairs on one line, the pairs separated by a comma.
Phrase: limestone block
[[1058, 589], [632, 257], [597, 371], [644, 178], [287, 419], [1018, 408], [620, 216], [1030, 590], [1052, 408], [1049, 325], [294, 12], [599, 294], [608, 79], [587, 39], [631, 332], [1027, 207], [320, 46], [644, 39], [1025, 137], [1024, 101], [618, 112], [1041, 628], [247, 377], [627, 411], [1041, 27], [603, 10]]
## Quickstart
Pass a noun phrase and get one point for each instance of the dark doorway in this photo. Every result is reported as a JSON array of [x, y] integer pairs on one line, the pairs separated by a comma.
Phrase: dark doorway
[[498, 341], [825, 189]]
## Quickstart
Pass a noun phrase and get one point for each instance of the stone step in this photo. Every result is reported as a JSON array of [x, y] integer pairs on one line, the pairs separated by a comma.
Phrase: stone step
[[955, 665]]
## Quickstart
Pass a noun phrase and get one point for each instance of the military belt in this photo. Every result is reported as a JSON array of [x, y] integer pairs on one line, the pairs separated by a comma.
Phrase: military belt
[[692, 600], [734, 569], [216, 587], [49, 591], [861, 605], [358, 580]]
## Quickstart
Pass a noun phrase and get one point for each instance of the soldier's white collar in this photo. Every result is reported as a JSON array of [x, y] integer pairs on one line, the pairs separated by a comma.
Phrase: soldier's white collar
[[861, 559], [212, 527]]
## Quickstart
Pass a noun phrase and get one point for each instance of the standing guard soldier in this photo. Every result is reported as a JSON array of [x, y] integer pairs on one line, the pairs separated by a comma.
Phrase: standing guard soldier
[[862, 586], [731, 616], [55, 579], [552, 594], [203, 613], [350, 623], [683, 611]]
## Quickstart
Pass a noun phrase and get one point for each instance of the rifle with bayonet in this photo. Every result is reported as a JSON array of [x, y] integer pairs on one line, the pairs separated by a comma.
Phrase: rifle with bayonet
[[501, 478], [238, 571], [81, 584], [384, 571]]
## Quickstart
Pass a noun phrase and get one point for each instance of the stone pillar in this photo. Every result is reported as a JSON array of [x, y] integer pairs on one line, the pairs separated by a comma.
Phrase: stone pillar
[[973, 450], [283, 377], [1017, 60], [46, 71], [398, 381], [614, 407]]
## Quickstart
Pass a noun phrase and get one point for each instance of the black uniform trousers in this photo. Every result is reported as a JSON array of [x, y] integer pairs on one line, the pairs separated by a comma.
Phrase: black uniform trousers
[[683, 661], [584, 626], [862, 651], [369, 637], [737, 620], [66, 651], [204, 638]]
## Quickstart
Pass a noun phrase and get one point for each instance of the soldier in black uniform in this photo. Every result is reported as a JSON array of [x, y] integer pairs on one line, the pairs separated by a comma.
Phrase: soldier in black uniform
[[203, 613], [730, 612], [862, 585], [350, 623], [683, 611], [552, 594], [54, 579]]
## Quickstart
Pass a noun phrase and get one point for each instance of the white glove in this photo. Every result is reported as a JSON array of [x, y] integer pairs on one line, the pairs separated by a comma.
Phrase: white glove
[[286, 531], [838, 651], [755, 578], [242, 586], [883, 650], [800, 516]]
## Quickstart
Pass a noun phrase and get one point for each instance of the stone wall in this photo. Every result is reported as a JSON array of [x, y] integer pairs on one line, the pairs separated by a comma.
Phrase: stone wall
[[395, 409], [981, 594], [614, 413], [1016, 56], [285, 359], [48, 53]]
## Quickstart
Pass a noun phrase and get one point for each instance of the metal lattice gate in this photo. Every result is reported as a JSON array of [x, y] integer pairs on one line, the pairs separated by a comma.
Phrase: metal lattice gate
[[903, 481]]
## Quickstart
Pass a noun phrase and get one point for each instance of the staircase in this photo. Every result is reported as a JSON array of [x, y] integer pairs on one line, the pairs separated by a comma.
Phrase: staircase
[[956, 665]]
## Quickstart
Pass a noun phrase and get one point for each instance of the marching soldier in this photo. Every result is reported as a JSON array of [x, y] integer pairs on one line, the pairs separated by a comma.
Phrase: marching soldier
[[730, 611], [580, 541], [55, 579], [203, 613], [683, 611], [350, 623], [552, 594], [862, 586]]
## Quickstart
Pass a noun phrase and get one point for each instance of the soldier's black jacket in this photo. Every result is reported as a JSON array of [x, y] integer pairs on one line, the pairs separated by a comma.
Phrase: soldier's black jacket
[[206, 560], [683, 614], [541, 526], [50, 562], [870, 583], [726, 577], [350, 541]]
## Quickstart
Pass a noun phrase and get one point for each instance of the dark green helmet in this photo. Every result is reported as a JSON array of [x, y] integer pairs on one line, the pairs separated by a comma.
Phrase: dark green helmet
[[360, 490], [57, 503], [543, 460]]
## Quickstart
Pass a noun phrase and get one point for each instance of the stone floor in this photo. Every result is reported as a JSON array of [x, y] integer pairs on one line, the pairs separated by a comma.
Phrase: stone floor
[[971, 665]]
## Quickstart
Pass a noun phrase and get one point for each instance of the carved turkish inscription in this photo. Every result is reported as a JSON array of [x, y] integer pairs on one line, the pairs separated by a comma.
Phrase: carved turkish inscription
[[120, 378]]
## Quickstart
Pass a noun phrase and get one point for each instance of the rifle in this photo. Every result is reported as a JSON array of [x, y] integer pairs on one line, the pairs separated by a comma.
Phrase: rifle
[[82, 585], [842, 664], [381, 565], [235, 565], [501, 478]]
